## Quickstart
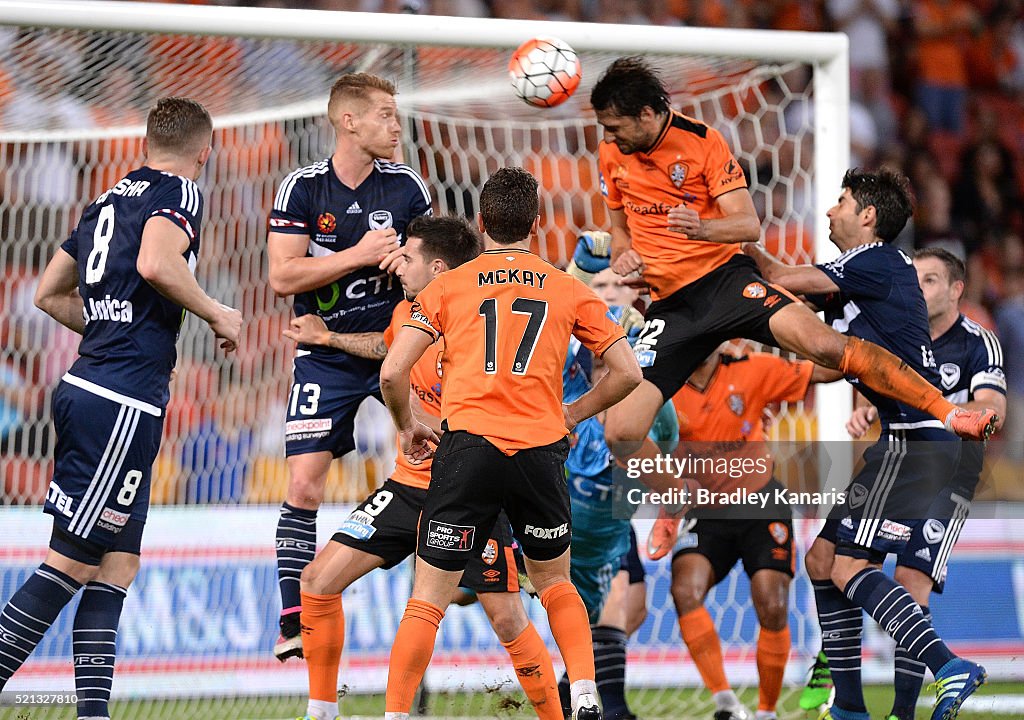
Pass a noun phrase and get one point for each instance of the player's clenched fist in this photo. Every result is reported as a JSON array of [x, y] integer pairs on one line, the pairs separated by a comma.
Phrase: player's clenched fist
[[376, 244], [227, 326], [860, 421], [627, 263], [307, 330]]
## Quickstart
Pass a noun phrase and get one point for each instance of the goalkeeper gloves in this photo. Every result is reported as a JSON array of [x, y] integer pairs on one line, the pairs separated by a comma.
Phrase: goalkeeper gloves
[[592, 255]]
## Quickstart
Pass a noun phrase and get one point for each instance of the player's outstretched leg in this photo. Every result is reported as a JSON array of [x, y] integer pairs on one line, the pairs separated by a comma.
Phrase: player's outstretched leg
[[799, 330], [34, 607], [296, 542], [529, 655], [895, 611]]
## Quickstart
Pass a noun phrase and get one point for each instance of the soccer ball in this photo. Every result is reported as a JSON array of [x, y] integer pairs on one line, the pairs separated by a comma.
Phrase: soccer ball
[[545, 71]]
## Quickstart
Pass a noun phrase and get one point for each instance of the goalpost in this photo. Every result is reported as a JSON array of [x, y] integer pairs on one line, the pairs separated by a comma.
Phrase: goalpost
[[75, 85]]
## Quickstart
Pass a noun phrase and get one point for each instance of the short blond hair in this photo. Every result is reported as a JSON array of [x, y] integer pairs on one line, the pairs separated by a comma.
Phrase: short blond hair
[[356, 88]]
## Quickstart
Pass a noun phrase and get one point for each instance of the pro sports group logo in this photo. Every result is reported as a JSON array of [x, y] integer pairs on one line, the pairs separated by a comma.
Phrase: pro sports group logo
[[446, 536]]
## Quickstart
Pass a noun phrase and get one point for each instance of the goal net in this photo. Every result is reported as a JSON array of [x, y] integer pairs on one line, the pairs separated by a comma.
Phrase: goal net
[[76, 80]]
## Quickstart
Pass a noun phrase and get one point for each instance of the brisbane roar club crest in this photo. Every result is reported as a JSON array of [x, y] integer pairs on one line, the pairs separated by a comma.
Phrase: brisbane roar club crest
[[326, 223], [677, 174], [755, 291], [490, 553], [779, 532]]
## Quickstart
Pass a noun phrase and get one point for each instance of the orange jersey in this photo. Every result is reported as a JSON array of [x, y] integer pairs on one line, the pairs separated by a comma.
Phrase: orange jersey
[[689, 164], [425, 380], [506, 318], [730, 407]]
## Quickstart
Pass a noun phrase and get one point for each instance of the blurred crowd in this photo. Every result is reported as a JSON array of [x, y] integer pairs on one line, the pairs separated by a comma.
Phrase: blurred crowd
[[937, 91]]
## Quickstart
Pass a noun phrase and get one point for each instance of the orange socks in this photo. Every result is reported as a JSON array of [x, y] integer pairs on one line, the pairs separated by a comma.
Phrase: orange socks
[[533, 667], [772, 654], [410, 653], [570, 626], [323, 636], [705, 648], [885, 373]]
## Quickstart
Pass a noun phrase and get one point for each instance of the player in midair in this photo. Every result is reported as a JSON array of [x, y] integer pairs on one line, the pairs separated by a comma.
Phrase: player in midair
[[871, 291], [381, 532], [680, 209], [970, 360], [123, 279], [335, 232], [507, 318]]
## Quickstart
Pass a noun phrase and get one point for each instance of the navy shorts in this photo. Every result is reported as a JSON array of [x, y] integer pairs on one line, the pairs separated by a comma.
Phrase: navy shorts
[[903, 473], [326, 393], [103, 463], [932, 541]]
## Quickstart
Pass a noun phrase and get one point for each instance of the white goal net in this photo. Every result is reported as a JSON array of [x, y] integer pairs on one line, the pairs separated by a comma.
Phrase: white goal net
[[76, 80]]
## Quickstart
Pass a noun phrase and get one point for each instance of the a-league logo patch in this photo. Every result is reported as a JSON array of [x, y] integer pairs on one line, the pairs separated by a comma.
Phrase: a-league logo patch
[[677, 174], [755, 291], [490, 553], [779, 532], [326, 223]]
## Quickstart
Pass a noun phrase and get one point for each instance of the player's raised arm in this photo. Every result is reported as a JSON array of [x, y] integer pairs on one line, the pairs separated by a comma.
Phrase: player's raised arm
[[162, 264], [738, 224], [312, 330], [292, 272], [800, 279], [57, 294]]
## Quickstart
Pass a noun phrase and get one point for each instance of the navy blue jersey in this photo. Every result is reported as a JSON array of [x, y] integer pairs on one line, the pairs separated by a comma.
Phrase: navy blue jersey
[[970, 358], [130, 328], [313, 202], [880, 300]]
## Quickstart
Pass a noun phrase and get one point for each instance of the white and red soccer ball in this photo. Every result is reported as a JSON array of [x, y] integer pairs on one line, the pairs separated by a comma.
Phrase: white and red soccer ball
[[545, 71]]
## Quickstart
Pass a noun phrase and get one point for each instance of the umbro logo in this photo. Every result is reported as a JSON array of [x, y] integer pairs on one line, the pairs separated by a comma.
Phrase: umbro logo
[[925, 554], [354, 209]]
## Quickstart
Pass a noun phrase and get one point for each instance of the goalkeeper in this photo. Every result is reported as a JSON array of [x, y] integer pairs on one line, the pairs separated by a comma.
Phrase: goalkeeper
[[601, 542]]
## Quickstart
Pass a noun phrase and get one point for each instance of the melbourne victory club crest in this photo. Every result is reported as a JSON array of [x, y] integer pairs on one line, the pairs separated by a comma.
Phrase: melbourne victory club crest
[[380, 220], [950, 373], [677, 174]]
